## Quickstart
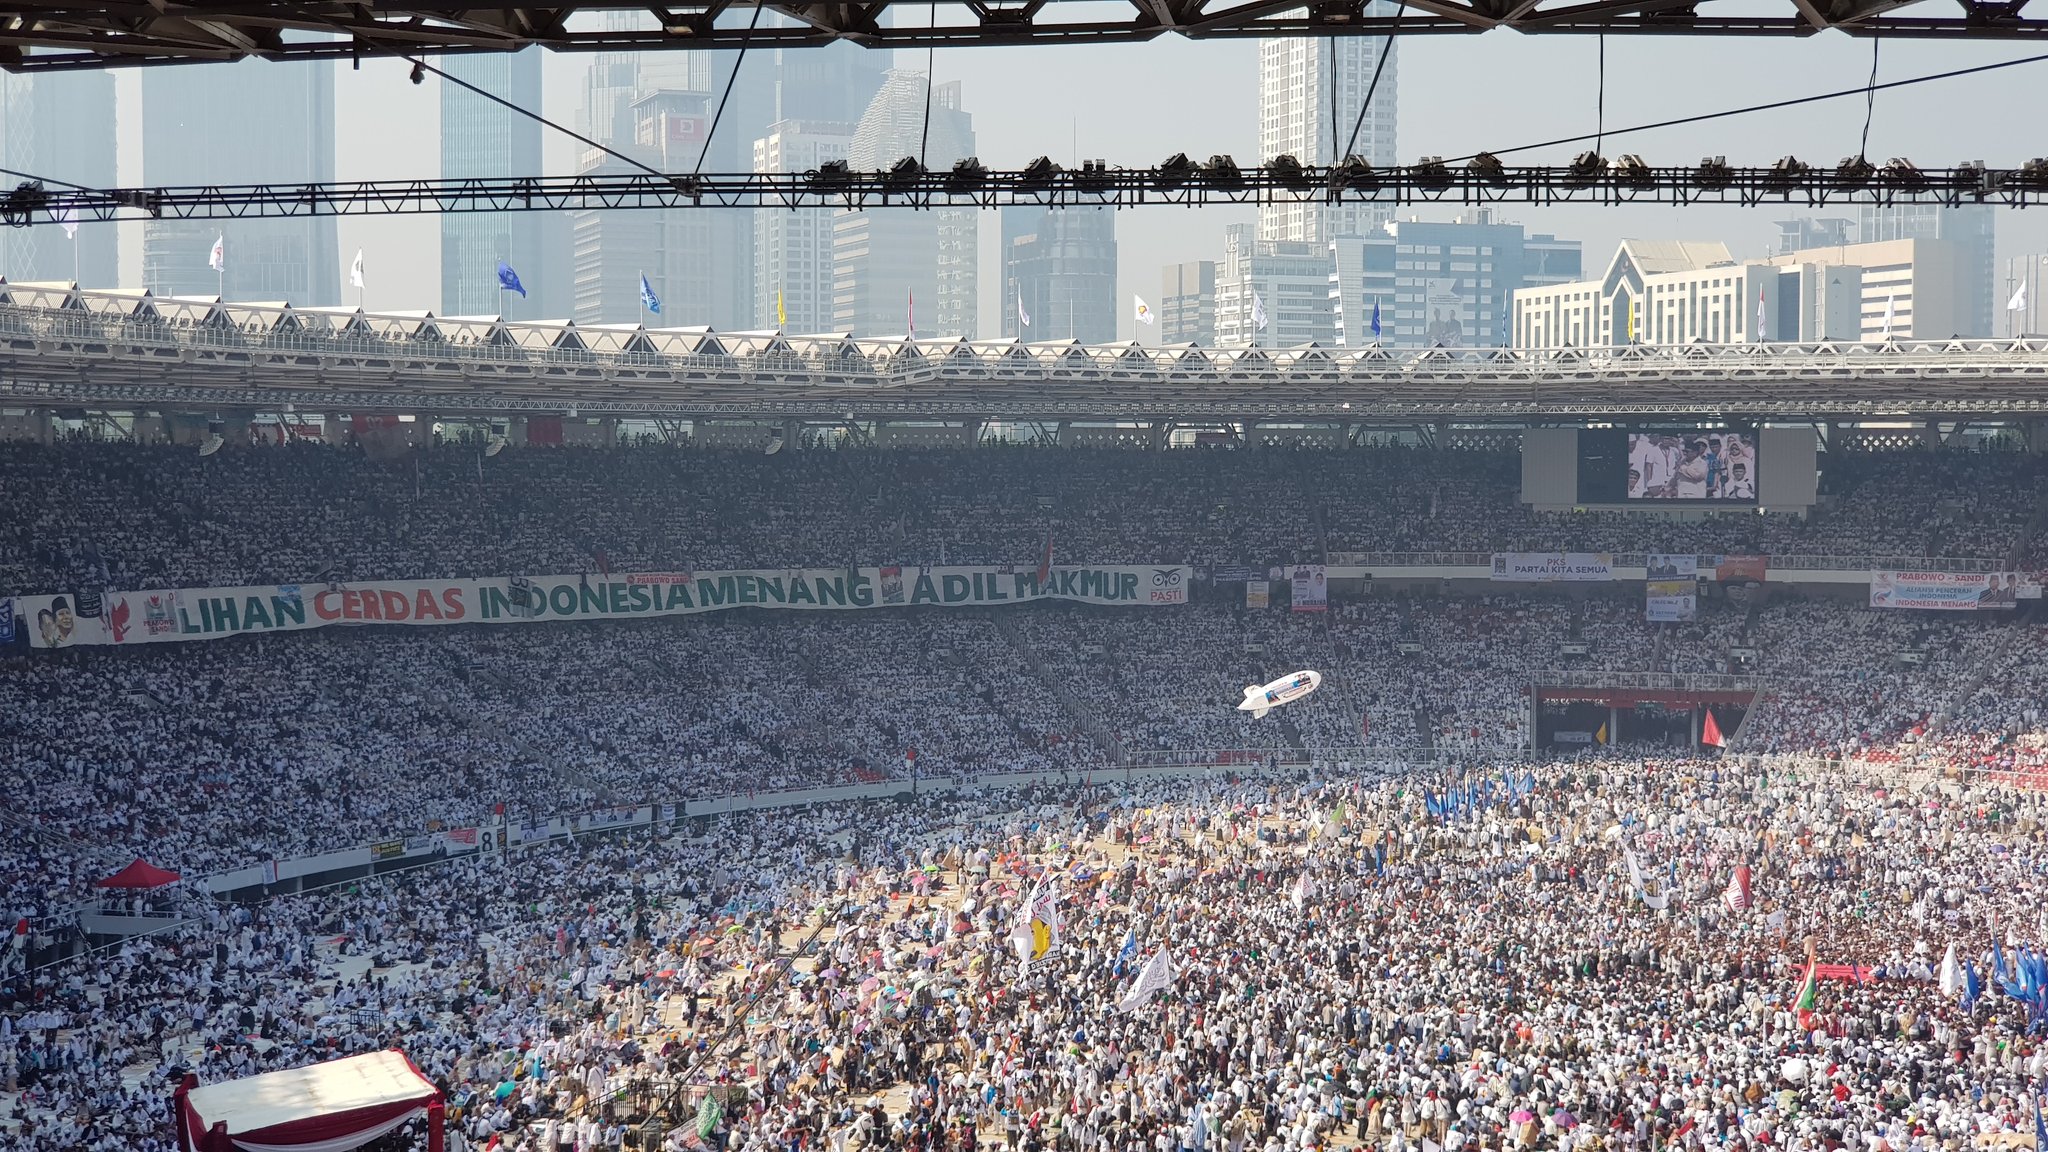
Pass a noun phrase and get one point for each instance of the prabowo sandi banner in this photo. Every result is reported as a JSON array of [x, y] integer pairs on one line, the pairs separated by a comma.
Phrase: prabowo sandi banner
[[212, 613], [1952, 591], [1310, 585], [1544, 567]]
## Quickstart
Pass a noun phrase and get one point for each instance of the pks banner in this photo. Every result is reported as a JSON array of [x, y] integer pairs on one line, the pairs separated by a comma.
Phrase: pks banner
[[1550, 567]]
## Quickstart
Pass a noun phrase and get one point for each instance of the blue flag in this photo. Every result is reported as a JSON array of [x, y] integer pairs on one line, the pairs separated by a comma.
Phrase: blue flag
[[2040, 1130], [1375, 317], [1129, 950], [648, 299], [508, 280]]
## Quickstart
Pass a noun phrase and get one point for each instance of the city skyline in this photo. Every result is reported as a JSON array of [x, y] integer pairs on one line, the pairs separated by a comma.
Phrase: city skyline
[[1136, 104]]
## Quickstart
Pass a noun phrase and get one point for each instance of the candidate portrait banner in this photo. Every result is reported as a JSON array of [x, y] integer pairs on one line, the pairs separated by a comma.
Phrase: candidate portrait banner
[[1548, 567], [1748, 569], [162, 616], [1310, 586], [1952, 591]]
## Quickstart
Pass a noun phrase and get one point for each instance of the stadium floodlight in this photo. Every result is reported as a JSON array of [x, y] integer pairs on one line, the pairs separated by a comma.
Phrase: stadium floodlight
[[1287, 172], [1486, 166], [1094, 177], [967, 175], [419, 73], [1854, 172], [1222, 172], [1789, 170], [1633, 171], [19, 209], [1354, 172], [1173, 174], [1039, 175], [1713, 172], [1902, 173], [1585, 168], [1432, 173], [831, 174], [903, 174], [2033, 173]]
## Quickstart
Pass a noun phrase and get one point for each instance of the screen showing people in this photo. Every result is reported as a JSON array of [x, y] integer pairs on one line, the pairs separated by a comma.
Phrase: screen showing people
[[1691, 465]]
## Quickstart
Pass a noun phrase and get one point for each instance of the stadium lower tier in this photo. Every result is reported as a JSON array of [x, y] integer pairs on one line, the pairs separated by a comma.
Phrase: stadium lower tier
[[214, 756], [1589, 956]]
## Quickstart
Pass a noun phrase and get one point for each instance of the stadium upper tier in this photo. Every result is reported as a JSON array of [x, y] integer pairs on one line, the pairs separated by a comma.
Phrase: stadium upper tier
[[63, 345], [163, 517]]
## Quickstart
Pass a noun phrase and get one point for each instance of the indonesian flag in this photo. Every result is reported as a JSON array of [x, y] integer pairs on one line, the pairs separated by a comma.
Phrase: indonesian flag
[[1736, 896], [1045, 560], [1710, 732]]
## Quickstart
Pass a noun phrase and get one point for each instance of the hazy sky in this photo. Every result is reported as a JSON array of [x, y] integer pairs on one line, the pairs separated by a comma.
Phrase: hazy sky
[[1136, 104]]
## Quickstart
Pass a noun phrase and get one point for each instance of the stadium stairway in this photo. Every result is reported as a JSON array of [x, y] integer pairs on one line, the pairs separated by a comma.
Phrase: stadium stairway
[[1083, 717]]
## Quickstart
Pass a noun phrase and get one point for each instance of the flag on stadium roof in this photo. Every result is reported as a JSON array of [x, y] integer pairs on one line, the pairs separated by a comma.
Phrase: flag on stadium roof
[[508, 280]]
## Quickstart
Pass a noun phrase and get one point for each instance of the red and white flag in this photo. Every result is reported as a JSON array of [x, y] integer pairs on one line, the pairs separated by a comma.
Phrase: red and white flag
[[1045, 560], [1737, 895], [1710, 732]]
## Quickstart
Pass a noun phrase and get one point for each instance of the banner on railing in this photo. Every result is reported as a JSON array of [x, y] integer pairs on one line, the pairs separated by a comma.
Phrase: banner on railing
[[1952, 591], [1742, 569], [1257, 593], [1671, 594], [212, 613], [1310, 585], [1546, 567]]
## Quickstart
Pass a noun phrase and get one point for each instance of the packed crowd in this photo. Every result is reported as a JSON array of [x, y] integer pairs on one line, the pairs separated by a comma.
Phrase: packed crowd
[[81, 515], [1255, 963], [208, 757]]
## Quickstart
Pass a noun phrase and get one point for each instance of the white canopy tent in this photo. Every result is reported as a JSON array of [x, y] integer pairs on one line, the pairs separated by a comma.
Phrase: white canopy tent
[[329, 1107]]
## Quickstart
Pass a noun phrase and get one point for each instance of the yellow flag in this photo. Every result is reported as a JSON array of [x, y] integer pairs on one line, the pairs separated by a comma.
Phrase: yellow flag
[[1600, 737], [781, 317], [1631, 319]]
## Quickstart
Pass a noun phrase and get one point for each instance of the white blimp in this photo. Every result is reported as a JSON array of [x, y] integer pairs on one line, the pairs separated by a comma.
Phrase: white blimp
[[1259, 700]]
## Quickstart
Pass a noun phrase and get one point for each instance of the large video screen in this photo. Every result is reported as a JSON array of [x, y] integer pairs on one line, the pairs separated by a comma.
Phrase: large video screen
[[1693, 466]]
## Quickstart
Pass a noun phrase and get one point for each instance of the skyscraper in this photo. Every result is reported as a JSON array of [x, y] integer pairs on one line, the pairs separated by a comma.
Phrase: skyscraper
[[1971, 228], [1296, 92], [1284, 282], [1442, 284], [697, 260], [1187, 304], [253, 122], [793, 250], [891, 266], [59, 125], [480, 138], [1060, 264]]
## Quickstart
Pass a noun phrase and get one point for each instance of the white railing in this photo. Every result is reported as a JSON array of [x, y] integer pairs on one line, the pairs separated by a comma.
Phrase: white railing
[[1815, 562]]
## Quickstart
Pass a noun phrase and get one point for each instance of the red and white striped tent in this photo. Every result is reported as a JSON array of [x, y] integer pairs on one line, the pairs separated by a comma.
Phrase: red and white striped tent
[[329, 1107]]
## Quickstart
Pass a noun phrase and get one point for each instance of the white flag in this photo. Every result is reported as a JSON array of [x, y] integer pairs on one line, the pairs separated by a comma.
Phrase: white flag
[[1144, 310], [1891, 308], [1158, 973], [218, 258], [2018, 303], [1760, 336], [1023, 317], [355, 270], [1301, 892], [68, 217], [1951, 972], [1258, 312]]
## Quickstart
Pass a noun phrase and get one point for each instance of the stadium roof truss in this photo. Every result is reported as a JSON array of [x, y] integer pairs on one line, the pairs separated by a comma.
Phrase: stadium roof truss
[[60, 345], [42, 35]]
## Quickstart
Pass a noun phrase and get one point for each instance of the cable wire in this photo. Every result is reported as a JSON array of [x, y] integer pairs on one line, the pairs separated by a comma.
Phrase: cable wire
[[931, 58], [1600, 100], [1386, 50], [1794, 102], [494, 98], [712, 132], [1870, 108]]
